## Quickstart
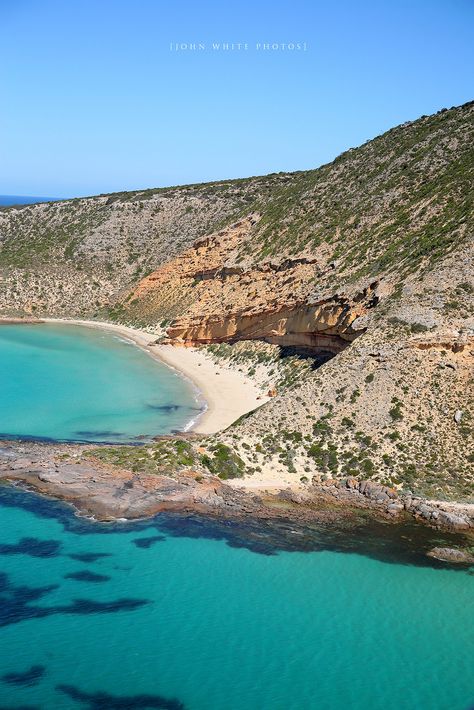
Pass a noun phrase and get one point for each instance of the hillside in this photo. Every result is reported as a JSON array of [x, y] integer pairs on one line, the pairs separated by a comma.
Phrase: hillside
[[365, 265], [82, 255]]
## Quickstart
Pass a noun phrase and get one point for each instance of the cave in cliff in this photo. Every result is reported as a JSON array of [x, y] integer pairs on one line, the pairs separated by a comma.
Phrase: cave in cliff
[[319, 331]]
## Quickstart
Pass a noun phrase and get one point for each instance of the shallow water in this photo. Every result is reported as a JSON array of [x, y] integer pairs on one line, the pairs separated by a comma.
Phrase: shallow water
[[75, 383], [179, 612]]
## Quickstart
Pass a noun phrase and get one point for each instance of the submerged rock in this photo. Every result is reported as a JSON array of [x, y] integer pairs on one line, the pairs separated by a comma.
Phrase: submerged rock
[[451, 554]]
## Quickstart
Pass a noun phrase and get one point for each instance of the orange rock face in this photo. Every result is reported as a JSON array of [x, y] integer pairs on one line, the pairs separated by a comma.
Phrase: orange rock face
[[325, 326], [224, 302]]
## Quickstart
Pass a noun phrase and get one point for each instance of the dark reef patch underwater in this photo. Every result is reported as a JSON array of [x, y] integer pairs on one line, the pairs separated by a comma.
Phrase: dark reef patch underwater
[[106, 701], [87, 576], [32, 676], [182, 611], [402, 543]]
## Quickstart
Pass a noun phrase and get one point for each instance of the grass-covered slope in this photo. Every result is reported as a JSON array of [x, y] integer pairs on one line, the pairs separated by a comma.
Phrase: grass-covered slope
[[398, 202]]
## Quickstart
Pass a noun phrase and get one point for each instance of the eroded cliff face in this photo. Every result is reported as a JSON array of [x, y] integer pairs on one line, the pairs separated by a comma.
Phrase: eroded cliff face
[[220, 301], [320, 327]]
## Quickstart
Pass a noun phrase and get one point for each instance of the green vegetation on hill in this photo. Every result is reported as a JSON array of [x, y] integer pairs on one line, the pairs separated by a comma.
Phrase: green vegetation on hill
[[401, 199], [396, 202]]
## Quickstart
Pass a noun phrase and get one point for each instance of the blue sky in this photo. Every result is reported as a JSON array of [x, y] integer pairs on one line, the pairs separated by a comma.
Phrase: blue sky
[[93, 99]]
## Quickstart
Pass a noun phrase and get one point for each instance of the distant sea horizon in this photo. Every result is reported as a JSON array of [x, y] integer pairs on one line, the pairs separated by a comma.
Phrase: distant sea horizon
[[10, 200]]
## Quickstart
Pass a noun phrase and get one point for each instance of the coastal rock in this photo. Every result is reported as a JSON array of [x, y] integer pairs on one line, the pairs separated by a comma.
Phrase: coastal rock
[[454, 521], [107, 492], [450, 554], [395, 508], [21, 463], [424, 511], [375, 491]]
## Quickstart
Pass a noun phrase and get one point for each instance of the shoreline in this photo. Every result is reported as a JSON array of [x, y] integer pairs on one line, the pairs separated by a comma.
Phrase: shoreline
[[103, 493], [226, 393], [109, 493]]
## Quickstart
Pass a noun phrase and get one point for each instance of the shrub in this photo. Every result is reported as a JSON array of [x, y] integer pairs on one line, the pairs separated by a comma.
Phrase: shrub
[[418, 328], [367, 466], [322, 426], [355, 394], [225, 463], [395, 412]]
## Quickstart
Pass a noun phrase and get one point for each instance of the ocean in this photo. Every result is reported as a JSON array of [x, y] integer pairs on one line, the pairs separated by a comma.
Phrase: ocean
[[9, 200], [181, 612]]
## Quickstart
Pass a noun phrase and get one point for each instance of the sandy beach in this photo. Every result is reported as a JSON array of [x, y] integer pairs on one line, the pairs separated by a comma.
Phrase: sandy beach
[[228, 394]]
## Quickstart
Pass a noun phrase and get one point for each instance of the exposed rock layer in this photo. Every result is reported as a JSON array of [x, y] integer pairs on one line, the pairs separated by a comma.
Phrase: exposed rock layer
[[108, 492]]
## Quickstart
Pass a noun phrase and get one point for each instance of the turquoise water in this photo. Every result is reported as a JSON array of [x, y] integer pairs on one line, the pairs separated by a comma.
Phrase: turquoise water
[[180, 613], [76, 383]]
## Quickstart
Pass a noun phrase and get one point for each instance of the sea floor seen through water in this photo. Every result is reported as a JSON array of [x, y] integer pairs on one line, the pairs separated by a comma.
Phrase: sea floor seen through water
[[179, 612], [73, 383]]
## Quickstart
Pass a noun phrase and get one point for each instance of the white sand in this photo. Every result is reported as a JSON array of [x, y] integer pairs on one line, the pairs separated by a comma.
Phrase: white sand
[[228, 393]]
